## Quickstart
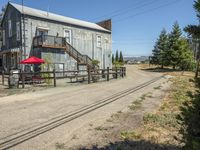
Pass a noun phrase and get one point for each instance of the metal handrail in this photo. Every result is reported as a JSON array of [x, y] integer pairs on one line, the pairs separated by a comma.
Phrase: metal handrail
[[60, 41]]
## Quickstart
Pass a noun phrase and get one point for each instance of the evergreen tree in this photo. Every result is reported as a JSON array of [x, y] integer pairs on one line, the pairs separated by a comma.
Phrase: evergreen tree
[[121, 59], [160, 48], [116, 56], [197, 8], [194, 32], [172, 53], [156, 54], [185, 59], [113, 58]]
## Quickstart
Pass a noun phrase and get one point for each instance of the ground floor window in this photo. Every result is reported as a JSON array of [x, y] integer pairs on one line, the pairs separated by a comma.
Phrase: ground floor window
[[13, 61], [4, 61]]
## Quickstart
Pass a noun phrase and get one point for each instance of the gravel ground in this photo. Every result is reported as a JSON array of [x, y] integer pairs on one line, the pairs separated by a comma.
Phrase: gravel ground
[[18, 112]]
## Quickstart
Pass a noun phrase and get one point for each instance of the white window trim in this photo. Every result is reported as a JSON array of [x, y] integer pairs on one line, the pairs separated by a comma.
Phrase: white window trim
[[99, 42], [9, 28], [41, 30], [4, 38], [18, 31], [70, 35]]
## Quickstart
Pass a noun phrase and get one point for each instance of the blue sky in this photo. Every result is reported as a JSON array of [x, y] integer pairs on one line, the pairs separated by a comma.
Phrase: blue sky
[[136, 23]]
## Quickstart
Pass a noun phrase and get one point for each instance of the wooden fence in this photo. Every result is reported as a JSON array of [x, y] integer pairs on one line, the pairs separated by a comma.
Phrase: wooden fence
[[24, 78]]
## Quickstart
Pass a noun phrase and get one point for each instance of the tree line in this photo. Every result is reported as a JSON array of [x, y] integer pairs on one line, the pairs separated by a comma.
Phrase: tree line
[[172, 49], [118, 59]]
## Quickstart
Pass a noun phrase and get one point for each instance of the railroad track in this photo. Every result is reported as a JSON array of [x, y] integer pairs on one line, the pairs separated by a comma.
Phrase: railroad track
[[24, 135]]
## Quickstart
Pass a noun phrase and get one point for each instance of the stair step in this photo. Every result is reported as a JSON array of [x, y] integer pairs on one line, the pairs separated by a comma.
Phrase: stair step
[[79, 57], [82, 63]]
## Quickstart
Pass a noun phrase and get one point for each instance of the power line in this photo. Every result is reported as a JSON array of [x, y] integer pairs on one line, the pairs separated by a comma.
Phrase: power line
[[149, 10], [126, 10]]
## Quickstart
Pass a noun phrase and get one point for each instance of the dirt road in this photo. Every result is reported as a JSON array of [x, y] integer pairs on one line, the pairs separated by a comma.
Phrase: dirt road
[[25, 111]]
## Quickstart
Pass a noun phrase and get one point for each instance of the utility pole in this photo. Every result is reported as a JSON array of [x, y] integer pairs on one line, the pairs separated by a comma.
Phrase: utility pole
[[198, 54], [24, 30], [197, 57]]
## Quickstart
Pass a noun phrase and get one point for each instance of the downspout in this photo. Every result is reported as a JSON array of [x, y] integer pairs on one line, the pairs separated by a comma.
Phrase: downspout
[[93, 46]]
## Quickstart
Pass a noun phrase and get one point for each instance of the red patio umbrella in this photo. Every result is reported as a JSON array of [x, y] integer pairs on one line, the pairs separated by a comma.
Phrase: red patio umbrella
[[32, 60]]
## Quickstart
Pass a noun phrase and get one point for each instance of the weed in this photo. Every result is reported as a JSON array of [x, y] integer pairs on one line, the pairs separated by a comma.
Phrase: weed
[[157, 87], [115, 115], [143, 97], [60, 145], [100, 129], [130, 135], [136, 104], [109, 120], [119, 112], [74, 137]]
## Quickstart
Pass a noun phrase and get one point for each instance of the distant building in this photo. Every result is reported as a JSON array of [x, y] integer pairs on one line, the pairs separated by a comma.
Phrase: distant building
[[68, 42]]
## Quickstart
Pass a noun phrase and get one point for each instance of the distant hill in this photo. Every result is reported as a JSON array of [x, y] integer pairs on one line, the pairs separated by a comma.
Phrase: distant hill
[[136, 58]]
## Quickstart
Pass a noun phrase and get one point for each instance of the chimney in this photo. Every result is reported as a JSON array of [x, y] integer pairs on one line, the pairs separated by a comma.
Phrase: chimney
[[107, 24]]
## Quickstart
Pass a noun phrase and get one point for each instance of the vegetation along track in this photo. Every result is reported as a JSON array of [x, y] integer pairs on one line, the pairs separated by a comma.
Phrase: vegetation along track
[[24, 135]]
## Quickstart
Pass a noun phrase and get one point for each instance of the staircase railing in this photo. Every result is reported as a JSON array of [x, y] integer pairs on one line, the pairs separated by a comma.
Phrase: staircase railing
[[84, 59], [54, 41]]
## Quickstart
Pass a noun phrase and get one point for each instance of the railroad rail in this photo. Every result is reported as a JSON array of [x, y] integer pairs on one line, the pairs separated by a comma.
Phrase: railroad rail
[[29, 133]]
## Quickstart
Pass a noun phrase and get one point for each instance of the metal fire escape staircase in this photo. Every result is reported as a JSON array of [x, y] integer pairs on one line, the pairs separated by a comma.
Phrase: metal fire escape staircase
[[48, 41], [80, 58]]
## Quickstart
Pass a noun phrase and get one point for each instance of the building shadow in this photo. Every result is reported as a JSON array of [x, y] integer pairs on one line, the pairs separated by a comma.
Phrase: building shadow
[[133, 145], [162, 70]]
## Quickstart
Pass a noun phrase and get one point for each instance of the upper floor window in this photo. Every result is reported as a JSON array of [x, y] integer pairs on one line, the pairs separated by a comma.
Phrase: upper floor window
[[3, 38], [18, 31], [98, 41], [9, 28], [68, 36], [42, 32]]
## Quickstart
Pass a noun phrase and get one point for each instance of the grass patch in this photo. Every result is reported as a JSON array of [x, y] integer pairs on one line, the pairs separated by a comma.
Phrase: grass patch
[[158, 87], [165, 126], [99, 128], [138, 103], [129, 135], [60, 145]]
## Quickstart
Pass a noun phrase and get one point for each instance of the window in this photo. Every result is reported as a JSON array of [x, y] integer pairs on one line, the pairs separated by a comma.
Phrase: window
[[13, 61], [67, 35], [98, 41], [4, 61], [42, 32], [9, 28], [4, 38], [18, 31]]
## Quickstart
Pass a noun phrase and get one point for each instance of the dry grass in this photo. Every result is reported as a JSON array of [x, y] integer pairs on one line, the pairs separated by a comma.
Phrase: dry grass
[[162, 127]]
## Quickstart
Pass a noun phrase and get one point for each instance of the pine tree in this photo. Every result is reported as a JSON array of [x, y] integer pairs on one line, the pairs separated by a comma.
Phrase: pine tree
[[116, 56], [185, 59], [156, 54], [194, 32], [121, 59], [113, 58], [160, 48], [174, 36]]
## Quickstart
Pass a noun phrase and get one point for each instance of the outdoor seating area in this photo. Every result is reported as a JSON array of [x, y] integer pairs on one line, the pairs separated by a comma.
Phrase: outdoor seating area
[[49, 78]]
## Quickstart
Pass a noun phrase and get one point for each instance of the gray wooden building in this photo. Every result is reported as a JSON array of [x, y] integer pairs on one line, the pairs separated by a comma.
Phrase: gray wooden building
[[67, 43]]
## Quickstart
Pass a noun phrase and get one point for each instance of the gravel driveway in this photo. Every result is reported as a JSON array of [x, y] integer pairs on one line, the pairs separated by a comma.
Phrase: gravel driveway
[[19, 112]]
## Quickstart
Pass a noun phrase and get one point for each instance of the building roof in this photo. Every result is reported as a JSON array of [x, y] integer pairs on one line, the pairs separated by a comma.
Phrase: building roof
[[55, 17]]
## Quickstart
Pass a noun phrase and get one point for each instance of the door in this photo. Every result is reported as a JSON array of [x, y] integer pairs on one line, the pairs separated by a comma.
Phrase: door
[[68, 36]]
